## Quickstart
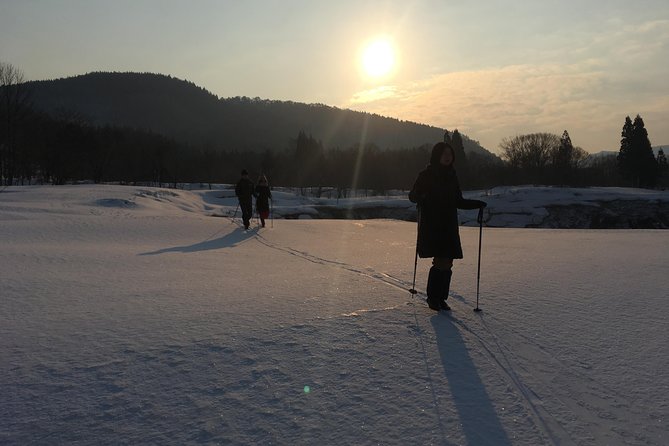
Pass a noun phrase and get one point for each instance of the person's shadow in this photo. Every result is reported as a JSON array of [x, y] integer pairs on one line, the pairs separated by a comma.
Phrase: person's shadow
[[230, 240], [480, 423]]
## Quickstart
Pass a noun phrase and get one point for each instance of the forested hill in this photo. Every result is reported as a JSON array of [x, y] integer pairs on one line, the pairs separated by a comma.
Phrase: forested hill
[[190, 114]]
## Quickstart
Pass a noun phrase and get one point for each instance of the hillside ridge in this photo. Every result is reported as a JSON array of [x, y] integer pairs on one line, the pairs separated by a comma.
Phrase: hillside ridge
[[188, 113]]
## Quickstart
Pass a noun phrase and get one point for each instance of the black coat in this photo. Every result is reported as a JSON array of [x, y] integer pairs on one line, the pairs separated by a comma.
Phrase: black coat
[[263, 195], [437, 192], [245, 190]]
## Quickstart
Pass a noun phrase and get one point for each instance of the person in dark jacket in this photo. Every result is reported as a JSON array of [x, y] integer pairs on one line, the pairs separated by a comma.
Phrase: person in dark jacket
[[263, 194], [245, 189], [438, 195]]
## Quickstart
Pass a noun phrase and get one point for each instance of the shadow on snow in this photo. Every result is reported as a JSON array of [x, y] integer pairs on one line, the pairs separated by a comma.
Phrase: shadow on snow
[[230, 240], [478, 418]]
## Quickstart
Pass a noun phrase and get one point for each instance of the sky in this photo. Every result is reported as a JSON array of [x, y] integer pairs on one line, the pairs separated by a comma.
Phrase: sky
[[492, 69]]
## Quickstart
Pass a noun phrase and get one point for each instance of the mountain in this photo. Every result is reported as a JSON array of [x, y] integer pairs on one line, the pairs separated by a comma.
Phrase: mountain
[[188, 113], [605, 153]]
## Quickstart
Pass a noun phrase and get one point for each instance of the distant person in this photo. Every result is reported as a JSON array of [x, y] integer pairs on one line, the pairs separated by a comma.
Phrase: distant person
[[438, 195], [245, 191], [263, 194]]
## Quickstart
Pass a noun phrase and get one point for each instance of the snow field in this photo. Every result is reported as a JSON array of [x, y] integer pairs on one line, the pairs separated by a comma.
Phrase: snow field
[[130, 315]]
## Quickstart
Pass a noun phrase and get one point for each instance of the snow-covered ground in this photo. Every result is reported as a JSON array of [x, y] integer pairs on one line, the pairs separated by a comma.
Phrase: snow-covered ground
[[131, 315]]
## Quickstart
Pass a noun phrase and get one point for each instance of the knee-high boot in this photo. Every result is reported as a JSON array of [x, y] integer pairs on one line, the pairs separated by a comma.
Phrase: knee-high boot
[[438, 285], [435, 287], [447, 274]]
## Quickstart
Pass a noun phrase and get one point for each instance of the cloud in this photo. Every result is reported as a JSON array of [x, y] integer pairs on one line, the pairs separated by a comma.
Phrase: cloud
[[491, 104], [639, 43], [488, 101], [374, 95], [656, 27]]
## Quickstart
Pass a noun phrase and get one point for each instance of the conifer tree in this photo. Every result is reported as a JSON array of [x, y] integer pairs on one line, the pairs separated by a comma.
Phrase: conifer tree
[[308, 154], [459, 148], [636, 159], [562, 159], [625, 155], [648, 163], [662, 165], [447, 136]]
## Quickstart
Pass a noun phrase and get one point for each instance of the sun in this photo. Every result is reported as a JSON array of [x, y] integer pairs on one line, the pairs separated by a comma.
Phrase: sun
[[378, 58]]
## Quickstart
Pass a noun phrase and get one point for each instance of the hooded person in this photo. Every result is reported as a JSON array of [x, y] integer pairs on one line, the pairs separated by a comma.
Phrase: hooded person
[[438, 196], [263, 194], [245, 190]]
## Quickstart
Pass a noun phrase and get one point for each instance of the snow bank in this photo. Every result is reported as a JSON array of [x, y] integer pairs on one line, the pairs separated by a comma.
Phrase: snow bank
[[508, 207]]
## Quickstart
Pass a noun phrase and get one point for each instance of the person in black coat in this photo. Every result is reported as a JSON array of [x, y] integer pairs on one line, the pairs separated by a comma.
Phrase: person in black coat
[[263, 194], [438, 195], [245, 189]]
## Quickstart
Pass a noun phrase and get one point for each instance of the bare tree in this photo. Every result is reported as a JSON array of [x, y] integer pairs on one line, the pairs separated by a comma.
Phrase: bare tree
[[579, 157], [14, 102], [533, 151]]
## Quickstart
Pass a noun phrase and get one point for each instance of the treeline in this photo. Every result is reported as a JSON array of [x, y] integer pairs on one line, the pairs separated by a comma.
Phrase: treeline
[[66, 147], [545, 158], [67, 150]]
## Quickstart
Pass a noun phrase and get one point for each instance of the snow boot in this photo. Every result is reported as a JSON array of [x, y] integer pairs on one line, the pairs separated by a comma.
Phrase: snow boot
[[438, 285], [435, 286], [446, 277]]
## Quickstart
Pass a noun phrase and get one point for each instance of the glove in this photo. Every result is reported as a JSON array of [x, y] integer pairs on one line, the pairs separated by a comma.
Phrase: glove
[[416, 198]]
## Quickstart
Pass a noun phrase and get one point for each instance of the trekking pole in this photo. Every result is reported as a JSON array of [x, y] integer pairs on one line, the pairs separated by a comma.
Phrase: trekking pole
[[233, 215], [415, 262], [478, 274]]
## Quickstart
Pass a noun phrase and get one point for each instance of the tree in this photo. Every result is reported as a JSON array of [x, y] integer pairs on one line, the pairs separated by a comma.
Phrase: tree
[[648, 163], [531, 154], [626, 158], [308, 160], [662, 166], [447, 136], [459, 148], [636, 160], [562, 159], [14, 104], [566, 159]]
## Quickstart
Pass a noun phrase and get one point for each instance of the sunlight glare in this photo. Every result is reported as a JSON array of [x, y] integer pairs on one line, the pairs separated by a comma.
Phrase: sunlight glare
[[378, 58]]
